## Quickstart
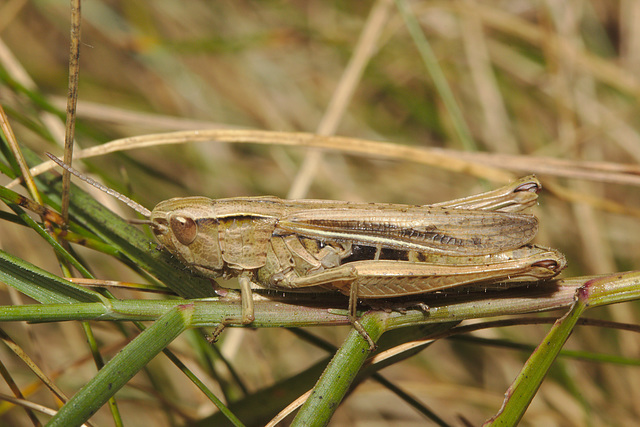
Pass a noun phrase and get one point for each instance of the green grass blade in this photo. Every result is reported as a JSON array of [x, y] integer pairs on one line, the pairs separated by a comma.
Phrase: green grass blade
[[526, 385], [228, 414], [123, 367], [40, 284]]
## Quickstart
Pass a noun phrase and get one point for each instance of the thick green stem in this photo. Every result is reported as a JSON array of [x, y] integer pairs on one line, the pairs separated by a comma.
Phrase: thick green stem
[[340, 373]]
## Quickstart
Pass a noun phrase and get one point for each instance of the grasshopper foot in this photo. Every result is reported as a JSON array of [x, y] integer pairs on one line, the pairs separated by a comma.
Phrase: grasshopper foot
[[215, 334], [358, 327]]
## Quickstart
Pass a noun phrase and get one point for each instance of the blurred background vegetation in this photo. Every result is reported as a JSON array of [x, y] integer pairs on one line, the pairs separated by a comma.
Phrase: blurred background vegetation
[[533, 79]]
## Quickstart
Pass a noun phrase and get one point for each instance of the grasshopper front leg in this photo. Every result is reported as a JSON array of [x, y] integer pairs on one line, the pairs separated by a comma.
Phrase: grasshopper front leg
[[247, 310], [248, 314]]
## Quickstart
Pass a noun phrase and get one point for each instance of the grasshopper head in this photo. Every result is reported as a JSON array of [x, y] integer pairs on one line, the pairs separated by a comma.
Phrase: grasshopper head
[[184, 226]]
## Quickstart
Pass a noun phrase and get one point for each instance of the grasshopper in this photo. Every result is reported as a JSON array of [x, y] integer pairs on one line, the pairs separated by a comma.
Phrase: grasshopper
[[363, 250]]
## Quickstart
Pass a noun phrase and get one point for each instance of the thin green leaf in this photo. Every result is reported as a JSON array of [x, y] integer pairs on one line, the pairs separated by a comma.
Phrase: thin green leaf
[[435, 71], [42, 285], [526, 385], [123, 367]]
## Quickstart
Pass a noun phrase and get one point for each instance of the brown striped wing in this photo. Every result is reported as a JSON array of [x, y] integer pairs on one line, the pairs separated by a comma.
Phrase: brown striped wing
[[432, 229]]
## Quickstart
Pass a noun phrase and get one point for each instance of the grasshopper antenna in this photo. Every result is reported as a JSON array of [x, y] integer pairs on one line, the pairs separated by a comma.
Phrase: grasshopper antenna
[[124, 199]]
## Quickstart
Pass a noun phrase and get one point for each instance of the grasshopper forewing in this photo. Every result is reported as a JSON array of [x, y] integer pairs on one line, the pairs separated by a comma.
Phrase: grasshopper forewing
[[423, 228], [364, 250]]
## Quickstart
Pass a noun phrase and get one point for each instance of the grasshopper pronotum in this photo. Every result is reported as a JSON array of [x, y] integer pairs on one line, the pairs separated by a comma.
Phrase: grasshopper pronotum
[[364, 250]]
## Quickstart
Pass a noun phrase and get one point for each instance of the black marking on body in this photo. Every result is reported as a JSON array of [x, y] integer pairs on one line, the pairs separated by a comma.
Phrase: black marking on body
[[368, 253], [206, 221]]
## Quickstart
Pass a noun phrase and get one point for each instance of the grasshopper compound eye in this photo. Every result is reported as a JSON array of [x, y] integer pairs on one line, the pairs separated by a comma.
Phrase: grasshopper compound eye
[[184, 229]]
